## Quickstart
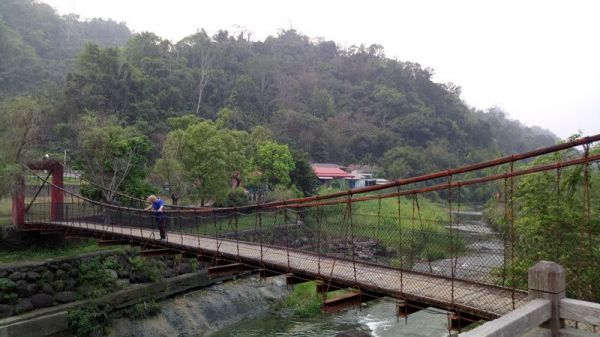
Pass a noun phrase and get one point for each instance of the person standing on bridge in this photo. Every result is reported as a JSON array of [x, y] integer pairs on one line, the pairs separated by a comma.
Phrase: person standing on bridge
[[157, 206]]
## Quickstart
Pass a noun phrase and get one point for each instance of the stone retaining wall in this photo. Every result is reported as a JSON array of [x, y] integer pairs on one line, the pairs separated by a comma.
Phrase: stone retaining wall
[[34, 285]]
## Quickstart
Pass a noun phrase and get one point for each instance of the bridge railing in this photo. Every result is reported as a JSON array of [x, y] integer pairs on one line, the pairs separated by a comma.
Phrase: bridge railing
[[415, 227], [548, 311]]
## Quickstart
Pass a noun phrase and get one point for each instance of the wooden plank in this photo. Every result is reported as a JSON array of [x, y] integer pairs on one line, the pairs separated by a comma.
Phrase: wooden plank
[[580, 311], [515, 323], [482, 300]]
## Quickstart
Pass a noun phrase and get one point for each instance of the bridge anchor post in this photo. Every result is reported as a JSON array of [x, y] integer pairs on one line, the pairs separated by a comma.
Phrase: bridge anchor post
[[546, 280]]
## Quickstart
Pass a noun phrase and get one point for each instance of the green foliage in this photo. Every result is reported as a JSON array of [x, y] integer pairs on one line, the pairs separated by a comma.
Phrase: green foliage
[[551, 223], [7, 285], [303, 176], [200, 160], [114, 156], [274, 163], [87, 319], [152, 268], [144, 309], [236, 197], [38, 46], [34, 253], [94, 279], [304, 300]]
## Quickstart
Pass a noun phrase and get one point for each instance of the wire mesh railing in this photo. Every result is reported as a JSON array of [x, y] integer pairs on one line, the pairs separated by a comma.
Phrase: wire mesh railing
[[429, 237]]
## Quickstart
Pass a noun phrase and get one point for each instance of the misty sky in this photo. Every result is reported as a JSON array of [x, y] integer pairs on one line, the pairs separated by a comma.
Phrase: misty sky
[[537, 60]]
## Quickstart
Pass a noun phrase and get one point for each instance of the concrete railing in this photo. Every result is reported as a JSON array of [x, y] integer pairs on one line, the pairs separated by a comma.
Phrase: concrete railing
[[546, 311]]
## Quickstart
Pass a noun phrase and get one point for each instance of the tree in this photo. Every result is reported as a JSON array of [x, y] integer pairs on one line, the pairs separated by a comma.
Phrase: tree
[[20, 128], [113, 156], [274, 162], [200, 160], [303, 176]]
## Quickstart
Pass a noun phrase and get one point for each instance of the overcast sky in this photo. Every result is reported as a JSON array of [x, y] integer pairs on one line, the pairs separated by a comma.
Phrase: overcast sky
[[537, 60]]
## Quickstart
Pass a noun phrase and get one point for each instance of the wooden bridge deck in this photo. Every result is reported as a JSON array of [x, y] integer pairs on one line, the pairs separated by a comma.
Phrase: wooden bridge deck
[[486, 301]]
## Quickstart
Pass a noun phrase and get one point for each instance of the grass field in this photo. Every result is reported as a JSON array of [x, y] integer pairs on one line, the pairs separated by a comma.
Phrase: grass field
[[43, 253]]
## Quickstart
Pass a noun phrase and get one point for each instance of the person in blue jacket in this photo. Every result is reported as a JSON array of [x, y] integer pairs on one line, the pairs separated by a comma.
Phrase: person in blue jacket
[[157, 206]]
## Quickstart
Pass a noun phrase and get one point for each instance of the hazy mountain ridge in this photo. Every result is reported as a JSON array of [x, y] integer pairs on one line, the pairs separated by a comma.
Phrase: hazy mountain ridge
[[342, 105]]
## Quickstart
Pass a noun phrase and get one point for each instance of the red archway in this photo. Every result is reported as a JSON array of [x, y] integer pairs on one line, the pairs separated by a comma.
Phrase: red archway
[[57, 196]]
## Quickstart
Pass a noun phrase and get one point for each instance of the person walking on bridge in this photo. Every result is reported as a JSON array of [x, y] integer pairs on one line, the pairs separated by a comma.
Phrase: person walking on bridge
[[157, 206]]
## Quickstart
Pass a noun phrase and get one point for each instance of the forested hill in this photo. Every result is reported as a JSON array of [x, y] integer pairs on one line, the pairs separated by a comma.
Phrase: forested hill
[[343, 105], [38, 46]]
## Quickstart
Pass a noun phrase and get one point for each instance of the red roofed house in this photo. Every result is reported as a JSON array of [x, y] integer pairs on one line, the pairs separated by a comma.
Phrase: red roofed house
[[329, 172]]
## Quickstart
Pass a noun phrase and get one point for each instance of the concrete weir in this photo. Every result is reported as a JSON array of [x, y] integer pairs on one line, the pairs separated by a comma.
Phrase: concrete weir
[[52, 321]]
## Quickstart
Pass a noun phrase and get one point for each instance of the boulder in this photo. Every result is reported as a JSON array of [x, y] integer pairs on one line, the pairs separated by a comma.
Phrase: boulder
[[70, 283], [16, 276], [65, 296], [47, 276], [58, 285], [25, 289], [23, 306], [112, 274], [32, 276], [73, 272], [138, 277], [60, 274], [3, 273], [6, 310], [47, 288], [123, 273], [41, 300], [353, 333]]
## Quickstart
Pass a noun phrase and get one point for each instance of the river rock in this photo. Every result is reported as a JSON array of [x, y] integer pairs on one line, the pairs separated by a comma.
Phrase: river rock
[[353, 333], [66, 296], [58, 285], [138, 277], [47, 288], [123, 274], [25, 289], [47, 276], [3, 273], [41, 300], [112, 273], [23, 306], [60, 274], [16, 276], [6, 310], [73, 272], [65, 266], [32, 276], [70, 283]]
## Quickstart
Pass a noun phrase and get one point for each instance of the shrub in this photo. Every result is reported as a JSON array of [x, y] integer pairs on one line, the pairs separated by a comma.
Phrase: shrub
[[304, 300], [87, 319], [150, 267], [94, 280], [144, 309]]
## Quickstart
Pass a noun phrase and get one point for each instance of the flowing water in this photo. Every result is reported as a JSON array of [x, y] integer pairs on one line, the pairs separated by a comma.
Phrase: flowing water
[[378, 319]]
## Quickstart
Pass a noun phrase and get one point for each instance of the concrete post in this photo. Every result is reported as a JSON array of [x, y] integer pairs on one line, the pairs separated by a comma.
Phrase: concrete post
[[57, 196], [546, 280]]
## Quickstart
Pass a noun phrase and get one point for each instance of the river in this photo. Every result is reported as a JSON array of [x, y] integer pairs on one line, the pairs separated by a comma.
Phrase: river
[[378, 319]]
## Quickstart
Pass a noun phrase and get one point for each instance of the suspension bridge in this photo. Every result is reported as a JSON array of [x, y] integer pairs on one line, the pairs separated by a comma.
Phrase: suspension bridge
[[421, 258]]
